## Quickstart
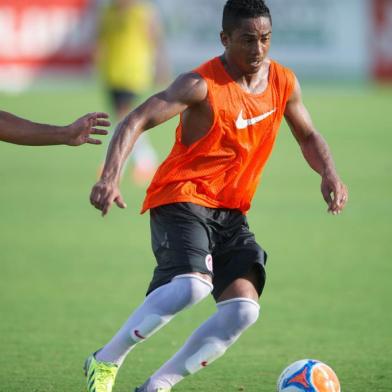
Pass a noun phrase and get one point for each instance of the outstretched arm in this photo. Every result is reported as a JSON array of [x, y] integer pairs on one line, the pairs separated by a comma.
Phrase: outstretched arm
[[187, 90], [316, 151], [18, 130]]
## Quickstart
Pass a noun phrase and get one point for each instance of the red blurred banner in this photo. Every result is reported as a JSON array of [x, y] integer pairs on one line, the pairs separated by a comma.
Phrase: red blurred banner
[[45, 35], [382, 50]]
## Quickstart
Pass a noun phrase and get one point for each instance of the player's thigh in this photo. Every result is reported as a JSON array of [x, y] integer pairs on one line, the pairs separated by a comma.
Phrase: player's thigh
[[241, 275], [246, 286], [239, 266], [181, 244]]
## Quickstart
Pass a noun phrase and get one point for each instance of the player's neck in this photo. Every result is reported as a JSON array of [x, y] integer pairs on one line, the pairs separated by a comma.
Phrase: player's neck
[[248, 81]]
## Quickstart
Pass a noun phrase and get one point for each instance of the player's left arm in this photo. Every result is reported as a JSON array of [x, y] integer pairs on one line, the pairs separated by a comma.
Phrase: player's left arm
[[316, 151]]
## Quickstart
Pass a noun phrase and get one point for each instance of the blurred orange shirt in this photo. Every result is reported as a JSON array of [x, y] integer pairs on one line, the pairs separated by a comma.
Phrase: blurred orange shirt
[[223, 168]]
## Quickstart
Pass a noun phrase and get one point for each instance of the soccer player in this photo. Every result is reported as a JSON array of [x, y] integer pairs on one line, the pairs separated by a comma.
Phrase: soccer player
[[18, 130], [131, 55], [231, 108]]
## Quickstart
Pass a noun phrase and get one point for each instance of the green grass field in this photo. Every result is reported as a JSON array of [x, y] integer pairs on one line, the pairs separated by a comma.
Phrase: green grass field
[[69, 278]]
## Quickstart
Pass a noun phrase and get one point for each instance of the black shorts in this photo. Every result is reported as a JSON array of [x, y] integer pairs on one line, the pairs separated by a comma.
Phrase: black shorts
[[190, 238]]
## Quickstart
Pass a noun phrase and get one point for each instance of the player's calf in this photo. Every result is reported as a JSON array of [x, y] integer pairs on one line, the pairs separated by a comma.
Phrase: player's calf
[[207, 343], [157, 310]]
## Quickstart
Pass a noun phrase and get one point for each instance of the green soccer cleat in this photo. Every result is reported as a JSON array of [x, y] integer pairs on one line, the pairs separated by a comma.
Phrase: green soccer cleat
[[100, 375]]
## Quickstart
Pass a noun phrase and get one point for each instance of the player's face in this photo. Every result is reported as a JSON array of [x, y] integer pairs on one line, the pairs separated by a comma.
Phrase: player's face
[[248, 45]]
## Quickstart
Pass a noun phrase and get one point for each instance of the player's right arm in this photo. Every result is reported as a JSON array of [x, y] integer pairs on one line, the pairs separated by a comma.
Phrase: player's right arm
[[17, 130], [187, 90]]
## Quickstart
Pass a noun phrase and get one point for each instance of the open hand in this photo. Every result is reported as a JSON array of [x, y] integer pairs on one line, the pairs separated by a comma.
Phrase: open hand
[[80, 131]]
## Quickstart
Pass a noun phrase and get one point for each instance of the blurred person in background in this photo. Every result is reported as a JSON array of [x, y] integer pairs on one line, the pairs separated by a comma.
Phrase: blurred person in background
[[17, 130], [131, 59], [231, 109]]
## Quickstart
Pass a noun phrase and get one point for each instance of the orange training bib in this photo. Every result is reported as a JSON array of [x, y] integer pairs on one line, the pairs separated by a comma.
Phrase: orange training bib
[[223, 168]]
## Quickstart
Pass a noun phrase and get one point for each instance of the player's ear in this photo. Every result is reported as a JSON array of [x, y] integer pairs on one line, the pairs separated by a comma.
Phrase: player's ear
[[224, 39]]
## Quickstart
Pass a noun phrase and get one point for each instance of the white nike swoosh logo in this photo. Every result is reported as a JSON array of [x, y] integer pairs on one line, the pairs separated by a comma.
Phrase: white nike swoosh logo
[[242, 123]]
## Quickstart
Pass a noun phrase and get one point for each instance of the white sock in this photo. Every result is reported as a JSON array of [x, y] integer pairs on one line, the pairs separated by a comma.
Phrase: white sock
[[158, 309], [207, 343]]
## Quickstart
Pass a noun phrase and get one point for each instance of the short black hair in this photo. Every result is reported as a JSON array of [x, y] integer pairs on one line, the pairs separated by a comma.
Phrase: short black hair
[[242, 9]]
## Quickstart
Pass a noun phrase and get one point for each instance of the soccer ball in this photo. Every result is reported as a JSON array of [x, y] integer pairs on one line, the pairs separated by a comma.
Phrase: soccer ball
[[308, 375]]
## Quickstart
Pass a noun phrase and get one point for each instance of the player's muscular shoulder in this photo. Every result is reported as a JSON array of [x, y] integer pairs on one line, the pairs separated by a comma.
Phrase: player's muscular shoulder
[[198, 117], [189, 93], [189, 88], [296, 95]]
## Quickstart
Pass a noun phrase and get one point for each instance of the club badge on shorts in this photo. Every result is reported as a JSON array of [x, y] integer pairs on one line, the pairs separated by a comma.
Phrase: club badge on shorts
[[209, 262]]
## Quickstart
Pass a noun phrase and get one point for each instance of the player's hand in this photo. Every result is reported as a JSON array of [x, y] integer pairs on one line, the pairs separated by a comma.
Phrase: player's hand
[[104, 194], [80, 131], [335, 193]]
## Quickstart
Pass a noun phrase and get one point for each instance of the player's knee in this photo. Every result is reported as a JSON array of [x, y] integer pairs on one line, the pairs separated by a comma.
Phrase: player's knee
[[248, 313], [161, 305], [239, 314], [192, 289], [182, 292]]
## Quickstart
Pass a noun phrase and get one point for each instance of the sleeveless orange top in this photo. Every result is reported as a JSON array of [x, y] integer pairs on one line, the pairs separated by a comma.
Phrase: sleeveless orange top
[[223, 168]]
